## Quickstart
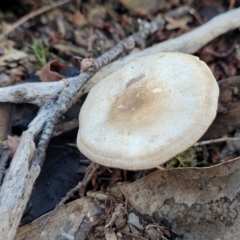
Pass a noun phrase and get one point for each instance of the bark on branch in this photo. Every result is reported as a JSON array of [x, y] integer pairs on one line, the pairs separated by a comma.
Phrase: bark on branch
[[17, 187]]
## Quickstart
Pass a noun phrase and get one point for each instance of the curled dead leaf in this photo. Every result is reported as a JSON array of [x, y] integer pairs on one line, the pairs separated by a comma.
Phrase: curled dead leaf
[[10, 54], [51, 71], [78, 19]]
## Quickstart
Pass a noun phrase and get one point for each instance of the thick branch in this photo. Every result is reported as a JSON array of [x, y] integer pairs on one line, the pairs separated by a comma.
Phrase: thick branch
[[36, 93], [17, 187]]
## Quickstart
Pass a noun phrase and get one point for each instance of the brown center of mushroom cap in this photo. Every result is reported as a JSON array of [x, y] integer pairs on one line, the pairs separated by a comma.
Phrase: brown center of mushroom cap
[[139, 99]]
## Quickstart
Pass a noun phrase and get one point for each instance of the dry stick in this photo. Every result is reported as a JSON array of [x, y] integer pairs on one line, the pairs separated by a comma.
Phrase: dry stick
[[231, 5], [218, 140], [31, 15], [37, 124], [132, 235], [17, 187], [35, 93], [177, 23]]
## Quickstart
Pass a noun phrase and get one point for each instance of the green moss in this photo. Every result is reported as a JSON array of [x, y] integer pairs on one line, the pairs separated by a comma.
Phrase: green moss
[[187, 158]]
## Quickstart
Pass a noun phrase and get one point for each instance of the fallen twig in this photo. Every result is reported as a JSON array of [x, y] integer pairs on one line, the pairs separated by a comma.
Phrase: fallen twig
[[35, 93], [31, 15], [218, 140], [15, 190], [231, 4], [132, 234]]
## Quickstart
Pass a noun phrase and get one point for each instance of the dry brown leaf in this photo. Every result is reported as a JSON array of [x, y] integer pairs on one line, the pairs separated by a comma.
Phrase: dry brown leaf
[[201, 203], [142, 5], [178, 23], [78, 19], [49, 73], [10, 54], [70, 49], [96, 16], [17, 72], [65, 222], [109, 234]]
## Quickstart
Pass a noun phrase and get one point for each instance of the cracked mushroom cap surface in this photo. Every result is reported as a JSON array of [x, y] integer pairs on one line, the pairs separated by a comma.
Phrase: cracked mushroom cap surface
[[148, 111]]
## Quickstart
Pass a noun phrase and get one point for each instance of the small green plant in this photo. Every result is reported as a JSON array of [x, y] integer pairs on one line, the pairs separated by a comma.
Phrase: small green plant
[[41, 52], [184, 159]]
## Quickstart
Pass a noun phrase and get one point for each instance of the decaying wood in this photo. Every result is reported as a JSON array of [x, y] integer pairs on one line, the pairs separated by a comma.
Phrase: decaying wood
[[35, 93], [17, 187], [51, 112]]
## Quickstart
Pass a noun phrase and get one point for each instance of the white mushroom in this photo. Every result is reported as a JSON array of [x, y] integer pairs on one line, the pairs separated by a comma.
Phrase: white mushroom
[[148, 111]]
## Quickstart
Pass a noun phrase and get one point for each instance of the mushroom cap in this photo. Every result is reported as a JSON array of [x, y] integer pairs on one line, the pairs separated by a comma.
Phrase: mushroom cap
[[148, 111]]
